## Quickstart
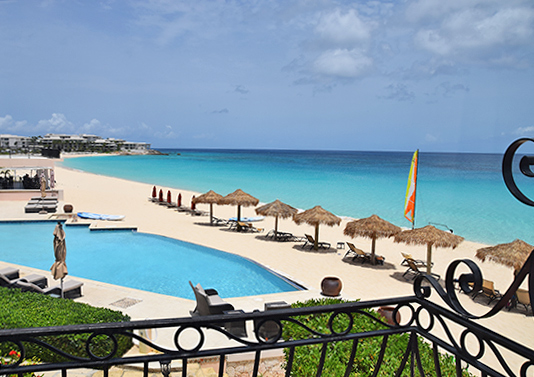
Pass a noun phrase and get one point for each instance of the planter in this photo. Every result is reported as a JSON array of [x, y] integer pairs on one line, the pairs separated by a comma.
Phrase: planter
[[387, 313], [331, 286], [67, 208]]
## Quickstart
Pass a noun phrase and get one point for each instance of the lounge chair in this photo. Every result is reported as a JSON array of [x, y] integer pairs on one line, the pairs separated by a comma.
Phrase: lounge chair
[[311, 241], [282, 236], [208, 302], [357, 254], [413, 268], [10, 272], [360, 254], [523, 298], [488, 290], [218, 221], [418, 262], [248, 227], [38, 280], [71, 288]]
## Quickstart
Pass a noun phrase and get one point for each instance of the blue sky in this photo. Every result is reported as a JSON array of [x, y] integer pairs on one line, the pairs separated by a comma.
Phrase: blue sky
[[453, 75]]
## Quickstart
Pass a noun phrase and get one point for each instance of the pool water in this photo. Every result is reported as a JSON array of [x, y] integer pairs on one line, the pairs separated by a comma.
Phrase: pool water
[[138, 260]]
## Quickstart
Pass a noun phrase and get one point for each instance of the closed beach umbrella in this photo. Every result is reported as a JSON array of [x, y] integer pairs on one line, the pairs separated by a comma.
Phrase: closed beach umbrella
[[276, 209], [193, 202], [154, 192], [211, 197], [513, 254], [315, 216], [429, 236], [43, 186], [239, 198], [372, 227], [160, 195], [59, 268], [169, 197], [179, 200]]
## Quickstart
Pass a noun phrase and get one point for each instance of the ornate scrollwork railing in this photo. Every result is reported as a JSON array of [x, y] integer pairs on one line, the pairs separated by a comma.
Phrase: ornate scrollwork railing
[[420, 318]]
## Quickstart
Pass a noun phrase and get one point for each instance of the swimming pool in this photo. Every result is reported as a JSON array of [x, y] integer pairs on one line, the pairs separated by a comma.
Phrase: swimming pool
[[138, 260]]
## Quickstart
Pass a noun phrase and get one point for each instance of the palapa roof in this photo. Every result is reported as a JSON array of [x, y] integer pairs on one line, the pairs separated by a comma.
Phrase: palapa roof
[[276, 208], [429, 235], [315, 216], [209, 197], [371, 227], [513, 254], [239, 198]]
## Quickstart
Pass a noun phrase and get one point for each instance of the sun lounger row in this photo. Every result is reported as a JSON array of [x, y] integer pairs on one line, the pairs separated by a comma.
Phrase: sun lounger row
[[71, 288], [8, 282], [9, 278], [241, 226], [36, 205]]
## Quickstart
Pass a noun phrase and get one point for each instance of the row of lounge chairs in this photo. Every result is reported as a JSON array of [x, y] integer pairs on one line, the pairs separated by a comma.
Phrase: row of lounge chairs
[[38, 204], [487, 289], [10, 278]]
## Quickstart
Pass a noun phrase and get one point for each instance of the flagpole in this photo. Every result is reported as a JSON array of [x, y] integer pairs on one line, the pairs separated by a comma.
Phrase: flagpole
[[415, 191]]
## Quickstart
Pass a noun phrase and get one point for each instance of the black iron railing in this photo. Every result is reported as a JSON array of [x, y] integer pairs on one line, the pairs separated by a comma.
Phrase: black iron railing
[[453, 332]]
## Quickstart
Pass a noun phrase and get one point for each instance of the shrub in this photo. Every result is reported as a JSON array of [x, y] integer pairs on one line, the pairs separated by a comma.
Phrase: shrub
[[305, 361], [28, 309]]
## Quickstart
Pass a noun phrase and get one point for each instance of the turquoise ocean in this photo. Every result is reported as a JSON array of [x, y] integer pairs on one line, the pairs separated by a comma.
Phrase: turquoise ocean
[[463, 192]]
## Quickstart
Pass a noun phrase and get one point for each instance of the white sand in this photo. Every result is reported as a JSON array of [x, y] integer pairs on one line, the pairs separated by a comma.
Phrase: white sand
[[100, 194]]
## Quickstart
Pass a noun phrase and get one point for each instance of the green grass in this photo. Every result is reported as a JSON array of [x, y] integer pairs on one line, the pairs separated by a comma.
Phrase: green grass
[[306, 358], [28, 309]]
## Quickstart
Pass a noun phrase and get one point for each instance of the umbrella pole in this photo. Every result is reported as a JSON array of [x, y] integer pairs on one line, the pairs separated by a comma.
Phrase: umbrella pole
[[316, 246], [62, 288], [373, 257], [211, 213], [275, 228], [429, 258]]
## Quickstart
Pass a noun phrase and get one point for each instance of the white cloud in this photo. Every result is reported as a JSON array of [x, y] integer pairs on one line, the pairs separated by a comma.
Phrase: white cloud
[[342, 63], [524, 130], [344, 28], [57, 124], [474, 30]]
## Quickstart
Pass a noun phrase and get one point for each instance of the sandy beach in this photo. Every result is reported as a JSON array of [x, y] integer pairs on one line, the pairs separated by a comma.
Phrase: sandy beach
[[101, 194]]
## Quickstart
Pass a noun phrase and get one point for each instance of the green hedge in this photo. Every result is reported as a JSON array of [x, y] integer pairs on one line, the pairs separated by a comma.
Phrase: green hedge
[[306, 358], [28, 309]]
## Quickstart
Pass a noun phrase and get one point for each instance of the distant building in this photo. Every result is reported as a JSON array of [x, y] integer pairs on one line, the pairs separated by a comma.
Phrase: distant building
[[71, 143], [14, 142]]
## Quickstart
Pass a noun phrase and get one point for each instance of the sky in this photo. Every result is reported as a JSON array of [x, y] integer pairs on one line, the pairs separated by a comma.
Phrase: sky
[[434, 75]]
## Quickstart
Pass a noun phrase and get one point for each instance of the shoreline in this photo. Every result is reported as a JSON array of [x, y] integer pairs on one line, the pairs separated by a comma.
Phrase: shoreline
[[103, 194]]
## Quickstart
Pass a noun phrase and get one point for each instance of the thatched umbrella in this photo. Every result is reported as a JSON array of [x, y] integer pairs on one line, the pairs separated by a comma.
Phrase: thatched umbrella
[[315, 216], [211, 197], [372, 227], [429, 236], [239, 198], [513, 254], [276, 209]]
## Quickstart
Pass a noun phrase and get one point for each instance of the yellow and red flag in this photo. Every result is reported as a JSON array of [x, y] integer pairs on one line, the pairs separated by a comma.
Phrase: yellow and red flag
[[409, 202]]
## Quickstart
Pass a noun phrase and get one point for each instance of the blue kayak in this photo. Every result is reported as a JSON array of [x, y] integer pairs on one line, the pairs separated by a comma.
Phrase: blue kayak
[[97, 216]]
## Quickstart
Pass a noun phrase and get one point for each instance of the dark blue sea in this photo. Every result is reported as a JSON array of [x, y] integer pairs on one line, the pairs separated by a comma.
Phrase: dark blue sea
[[463, 192]]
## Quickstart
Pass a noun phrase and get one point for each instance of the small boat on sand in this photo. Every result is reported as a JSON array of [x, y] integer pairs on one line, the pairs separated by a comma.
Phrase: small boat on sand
[[98, 216]]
